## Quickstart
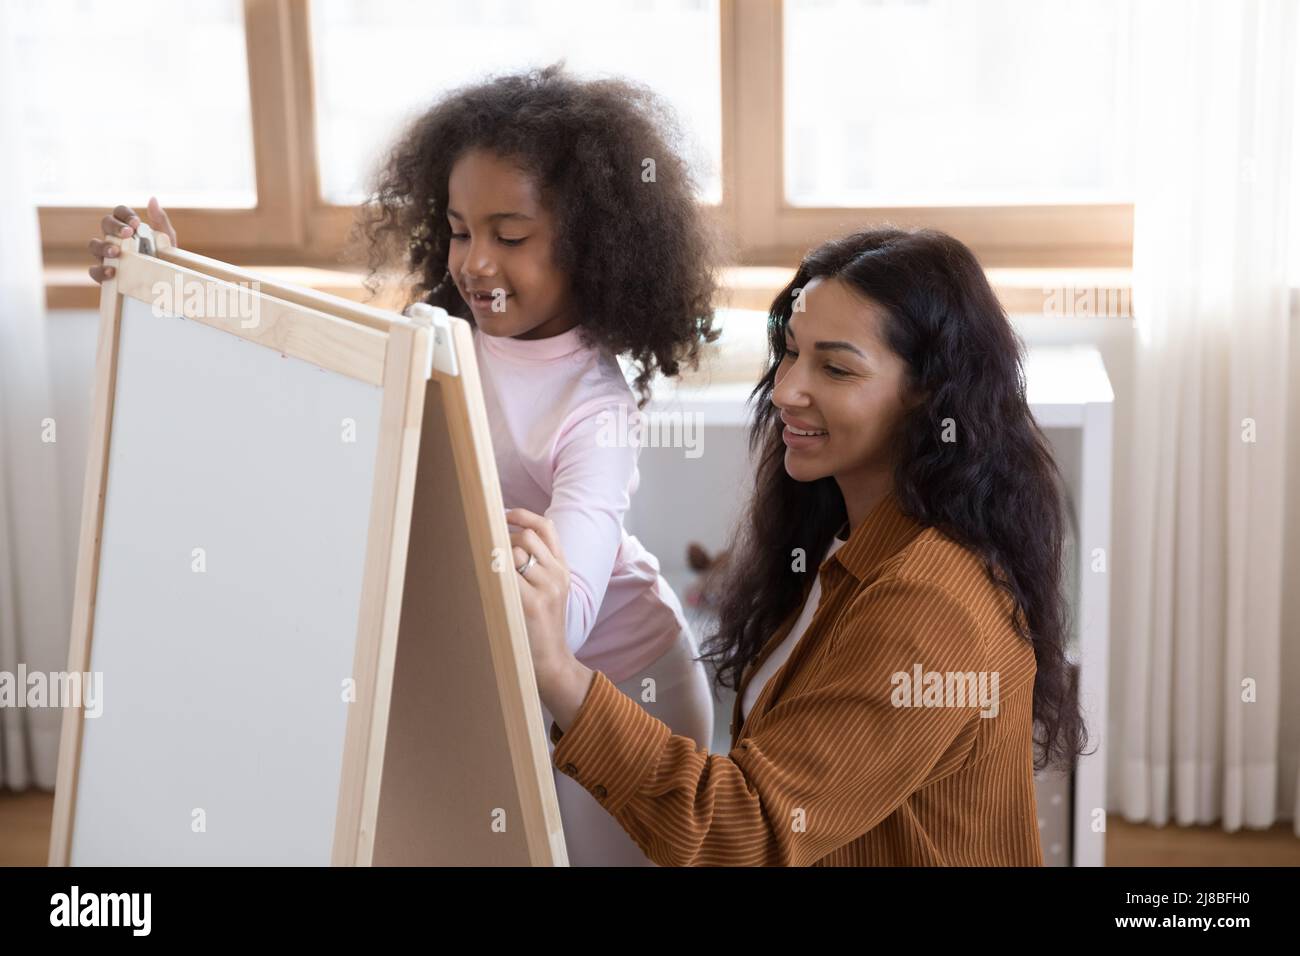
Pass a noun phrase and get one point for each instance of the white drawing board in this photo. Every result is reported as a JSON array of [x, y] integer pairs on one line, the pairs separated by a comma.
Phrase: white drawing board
[[286, 583]]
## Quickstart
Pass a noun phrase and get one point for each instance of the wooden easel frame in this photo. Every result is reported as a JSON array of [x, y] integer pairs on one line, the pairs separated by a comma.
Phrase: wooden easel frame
[[385, 350]]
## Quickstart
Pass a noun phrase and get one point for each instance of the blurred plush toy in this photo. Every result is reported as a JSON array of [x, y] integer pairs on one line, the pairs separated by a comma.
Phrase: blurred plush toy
[[710, 575]]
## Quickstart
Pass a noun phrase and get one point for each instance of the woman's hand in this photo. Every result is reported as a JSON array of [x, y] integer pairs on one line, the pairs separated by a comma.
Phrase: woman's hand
[[121, 223], [562, 681]]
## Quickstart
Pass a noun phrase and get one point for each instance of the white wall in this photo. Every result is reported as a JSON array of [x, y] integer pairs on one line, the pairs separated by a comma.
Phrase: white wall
[[70, 345]]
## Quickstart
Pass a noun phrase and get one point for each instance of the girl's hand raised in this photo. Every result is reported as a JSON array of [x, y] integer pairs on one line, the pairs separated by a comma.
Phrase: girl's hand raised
[[121, 223]]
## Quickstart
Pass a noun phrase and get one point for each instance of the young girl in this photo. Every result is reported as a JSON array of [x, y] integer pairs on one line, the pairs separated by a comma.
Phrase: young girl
[[556, 216]]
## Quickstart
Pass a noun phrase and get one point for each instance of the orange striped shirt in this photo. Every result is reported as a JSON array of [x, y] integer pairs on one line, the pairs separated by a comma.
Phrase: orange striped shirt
[[898, 732]]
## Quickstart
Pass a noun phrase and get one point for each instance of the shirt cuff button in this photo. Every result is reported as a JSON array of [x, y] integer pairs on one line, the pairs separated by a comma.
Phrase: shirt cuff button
[[570, 769], [600, 792]]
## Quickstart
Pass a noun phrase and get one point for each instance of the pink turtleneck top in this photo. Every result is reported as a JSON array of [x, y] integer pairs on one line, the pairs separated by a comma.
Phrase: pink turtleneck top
[[554, 408]]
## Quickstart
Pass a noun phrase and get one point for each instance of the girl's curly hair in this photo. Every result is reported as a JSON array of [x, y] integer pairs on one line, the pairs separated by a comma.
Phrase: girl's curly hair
[[641, 255]]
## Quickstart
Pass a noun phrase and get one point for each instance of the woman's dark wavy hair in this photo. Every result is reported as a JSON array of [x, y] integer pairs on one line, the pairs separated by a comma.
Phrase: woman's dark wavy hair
[[641, 256], [995, 490]]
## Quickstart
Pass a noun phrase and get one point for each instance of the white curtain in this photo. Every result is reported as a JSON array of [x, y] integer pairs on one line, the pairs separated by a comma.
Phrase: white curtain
[[35, 571], [1201, 512]]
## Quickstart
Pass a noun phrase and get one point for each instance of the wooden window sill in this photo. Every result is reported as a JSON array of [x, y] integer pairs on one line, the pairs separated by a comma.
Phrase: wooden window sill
[[1081, 293]]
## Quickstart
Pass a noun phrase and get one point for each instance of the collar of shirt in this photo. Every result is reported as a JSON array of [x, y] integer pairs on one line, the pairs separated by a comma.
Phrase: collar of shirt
[[533, 351], [883, 533]]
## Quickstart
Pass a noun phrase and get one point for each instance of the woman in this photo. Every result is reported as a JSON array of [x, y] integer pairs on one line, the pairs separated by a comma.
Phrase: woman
[[892, 707]]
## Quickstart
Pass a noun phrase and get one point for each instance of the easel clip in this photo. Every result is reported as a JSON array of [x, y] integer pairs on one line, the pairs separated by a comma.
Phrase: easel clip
[[146, 244], [149, 242], [442, 354]]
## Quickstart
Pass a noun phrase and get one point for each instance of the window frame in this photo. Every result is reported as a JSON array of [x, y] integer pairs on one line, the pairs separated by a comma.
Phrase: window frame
[[292, 224], [773, 230]]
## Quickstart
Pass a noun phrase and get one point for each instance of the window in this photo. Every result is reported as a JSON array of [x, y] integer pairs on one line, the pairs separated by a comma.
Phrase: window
[[378, 63], [950, 103], [259, 123], [125, 100]]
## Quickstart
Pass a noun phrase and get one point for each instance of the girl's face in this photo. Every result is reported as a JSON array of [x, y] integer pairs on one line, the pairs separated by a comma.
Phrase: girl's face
[[501, 242], [841, 381]]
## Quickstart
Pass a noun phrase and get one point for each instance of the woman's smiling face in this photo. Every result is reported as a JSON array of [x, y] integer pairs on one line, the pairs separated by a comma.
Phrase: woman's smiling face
[[501, 250], [839, 380]]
